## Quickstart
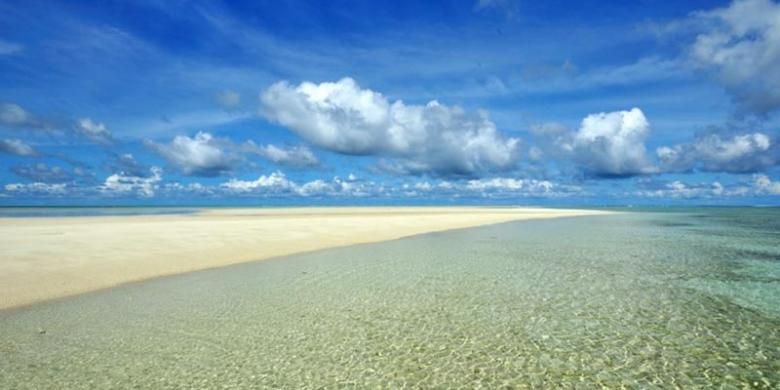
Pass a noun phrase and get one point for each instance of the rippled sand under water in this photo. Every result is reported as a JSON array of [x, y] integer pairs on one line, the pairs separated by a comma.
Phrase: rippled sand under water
[[641, 299]]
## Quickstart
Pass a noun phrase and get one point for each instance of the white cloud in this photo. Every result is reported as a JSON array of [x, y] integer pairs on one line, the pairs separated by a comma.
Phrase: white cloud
[[764, 185], [717, 188], [495, 183], [336, 187], [423, 186], [431, 138], [439, 188], [512, 185], [612, 144], [711, 152], [445, 185], [17, 147], [297, 156], [95, 131], [681, 190], [119, 183], [37, 188], [741, 46], [206, 155], [201, 155], [228, 99], [275, 182]]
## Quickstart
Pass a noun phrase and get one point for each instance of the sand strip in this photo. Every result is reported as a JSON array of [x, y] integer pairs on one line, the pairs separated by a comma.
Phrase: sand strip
[[46, 258]]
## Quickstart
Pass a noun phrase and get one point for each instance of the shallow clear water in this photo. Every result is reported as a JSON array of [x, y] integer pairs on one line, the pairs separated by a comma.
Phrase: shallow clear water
[[641, 300]]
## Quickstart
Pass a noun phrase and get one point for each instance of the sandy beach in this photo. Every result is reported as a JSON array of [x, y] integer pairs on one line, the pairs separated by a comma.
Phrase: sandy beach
[[46, 258]]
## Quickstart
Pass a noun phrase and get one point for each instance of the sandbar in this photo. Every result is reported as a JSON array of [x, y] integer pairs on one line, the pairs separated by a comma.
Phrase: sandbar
[[43, 258]]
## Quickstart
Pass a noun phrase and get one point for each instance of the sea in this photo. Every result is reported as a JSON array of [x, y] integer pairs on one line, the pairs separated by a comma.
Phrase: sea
[[644, 298]]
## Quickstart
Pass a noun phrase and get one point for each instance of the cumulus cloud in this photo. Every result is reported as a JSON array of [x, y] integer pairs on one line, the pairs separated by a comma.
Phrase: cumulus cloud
[[504, 183], [228, 99], [612, 144], [495, 187], [606, 145], [432, 138], [713, 153], [423, 186], [511, 187], [336, 187], [764, 185], [741, 46], [17, 147], [120, 183], [206, 155], [201, 155], [95, 131], [277, 183], [296, 156]]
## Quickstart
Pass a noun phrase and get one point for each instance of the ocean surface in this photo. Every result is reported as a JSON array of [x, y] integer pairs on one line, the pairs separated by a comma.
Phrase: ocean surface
[[687, 299]]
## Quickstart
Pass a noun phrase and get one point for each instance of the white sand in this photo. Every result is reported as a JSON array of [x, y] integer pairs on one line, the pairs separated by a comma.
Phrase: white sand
[[45, 258]]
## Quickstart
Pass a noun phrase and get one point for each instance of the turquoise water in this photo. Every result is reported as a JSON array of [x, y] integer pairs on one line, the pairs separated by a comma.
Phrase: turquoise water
[[641, 300]]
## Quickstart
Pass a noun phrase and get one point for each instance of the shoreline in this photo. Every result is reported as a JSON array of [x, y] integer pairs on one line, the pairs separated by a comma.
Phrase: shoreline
[[47, 258]]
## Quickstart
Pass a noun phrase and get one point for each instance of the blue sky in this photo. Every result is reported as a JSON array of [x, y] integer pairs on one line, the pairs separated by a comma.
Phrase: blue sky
[[404, 102]]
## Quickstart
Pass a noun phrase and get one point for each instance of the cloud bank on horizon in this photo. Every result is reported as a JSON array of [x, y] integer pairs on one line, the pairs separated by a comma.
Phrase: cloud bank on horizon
[[483, 102]]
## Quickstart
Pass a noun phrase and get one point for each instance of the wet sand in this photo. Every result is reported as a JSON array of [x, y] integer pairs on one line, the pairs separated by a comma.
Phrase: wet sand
[[53, 257]]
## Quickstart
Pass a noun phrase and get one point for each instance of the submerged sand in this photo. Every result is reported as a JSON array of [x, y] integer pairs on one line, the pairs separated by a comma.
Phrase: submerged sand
[[46, 258]]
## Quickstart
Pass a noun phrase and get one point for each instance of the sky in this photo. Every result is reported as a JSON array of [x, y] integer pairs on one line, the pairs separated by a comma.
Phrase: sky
[[399, 102]]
